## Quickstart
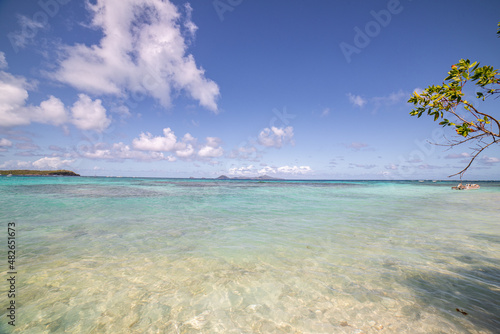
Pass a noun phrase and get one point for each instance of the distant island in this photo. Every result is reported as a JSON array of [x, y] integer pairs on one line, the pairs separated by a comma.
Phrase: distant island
[[262, 177], [27, 172]]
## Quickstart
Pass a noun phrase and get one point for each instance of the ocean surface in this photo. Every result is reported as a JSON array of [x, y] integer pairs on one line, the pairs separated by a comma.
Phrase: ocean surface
[[143, 255]]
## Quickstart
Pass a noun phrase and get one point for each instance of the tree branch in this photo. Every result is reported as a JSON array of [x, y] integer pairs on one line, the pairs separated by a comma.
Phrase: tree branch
[[473, 158], [490, 117]]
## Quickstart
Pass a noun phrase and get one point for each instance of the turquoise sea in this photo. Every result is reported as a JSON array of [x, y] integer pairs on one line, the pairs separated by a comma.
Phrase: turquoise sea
[[143, 255]]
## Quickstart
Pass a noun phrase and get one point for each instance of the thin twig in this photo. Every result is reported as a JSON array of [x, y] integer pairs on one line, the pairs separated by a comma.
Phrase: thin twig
[[473, 158]]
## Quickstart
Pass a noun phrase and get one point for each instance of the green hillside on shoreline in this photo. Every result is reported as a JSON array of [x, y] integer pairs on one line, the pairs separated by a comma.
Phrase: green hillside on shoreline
[[27, 172]]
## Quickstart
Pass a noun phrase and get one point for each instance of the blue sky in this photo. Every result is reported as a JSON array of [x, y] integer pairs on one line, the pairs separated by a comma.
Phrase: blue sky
[[294, 89]]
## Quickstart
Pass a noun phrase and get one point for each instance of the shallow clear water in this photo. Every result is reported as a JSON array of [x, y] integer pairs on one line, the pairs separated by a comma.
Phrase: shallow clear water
[[125, 255]]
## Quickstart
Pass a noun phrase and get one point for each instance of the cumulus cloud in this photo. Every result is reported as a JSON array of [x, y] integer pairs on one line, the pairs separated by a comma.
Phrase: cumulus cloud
[[167, 143], [143, 51], [185, 152], [13, 95], [211, 149], [51, 163], [242, 171], [188, 138], [120, 151], [147, 142], [266, 170], [276, 137], [51, 111], [357, 100], [184, 148], [14, 110], [89, 115]]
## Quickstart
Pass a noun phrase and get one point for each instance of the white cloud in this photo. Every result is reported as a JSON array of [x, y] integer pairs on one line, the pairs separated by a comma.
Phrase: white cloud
[[390, 99], [4, 142], [16, 164], [89, 115], [186, 152], [325, 112], [188, 24], [276, 137], [3, 61], [51, 163], [165, 143], [379, 101], [51, 111], [486, 160], [211, 148], [21, 38], [418, 90], [142, 51], [357, 100], [43, 163], [295, 170], [188, 138], [266, 170], [120, 151], [184, 148], [242, 171], [14, 110], [13, 95]]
